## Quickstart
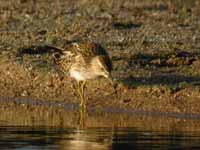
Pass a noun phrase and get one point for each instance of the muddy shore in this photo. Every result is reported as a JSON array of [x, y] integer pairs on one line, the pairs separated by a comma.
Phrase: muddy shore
[[154, 46]]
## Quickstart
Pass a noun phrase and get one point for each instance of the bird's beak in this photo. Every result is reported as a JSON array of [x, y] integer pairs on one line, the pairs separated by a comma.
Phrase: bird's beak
[[110, 78]]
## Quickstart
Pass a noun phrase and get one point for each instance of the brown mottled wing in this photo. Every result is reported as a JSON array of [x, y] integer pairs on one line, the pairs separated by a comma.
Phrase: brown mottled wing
[[87, 49]]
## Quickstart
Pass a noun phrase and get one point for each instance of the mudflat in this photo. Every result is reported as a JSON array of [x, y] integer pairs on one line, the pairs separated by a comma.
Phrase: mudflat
[[154, 46]]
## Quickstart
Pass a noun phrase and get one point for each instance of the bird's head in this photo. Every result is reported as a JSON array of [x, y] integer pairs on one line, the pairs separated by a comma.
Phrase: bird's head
[[102, 66]]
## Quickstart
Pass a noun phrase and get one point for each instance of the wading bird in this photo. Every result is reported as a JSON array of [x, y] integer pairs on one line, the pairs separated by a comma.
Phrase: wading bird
[[80, 60], [84, 61]]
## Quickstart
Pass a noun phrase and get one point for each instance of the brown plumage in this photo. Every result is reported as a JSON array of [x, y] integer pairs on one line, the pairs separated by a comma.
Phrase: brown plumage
[[84, 61], [80, 60]]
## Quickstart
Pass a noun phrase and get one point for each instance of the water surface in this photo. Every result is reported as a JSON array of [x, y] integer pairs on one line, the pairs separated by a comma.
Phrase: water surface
[[37, 125], [40, 138]]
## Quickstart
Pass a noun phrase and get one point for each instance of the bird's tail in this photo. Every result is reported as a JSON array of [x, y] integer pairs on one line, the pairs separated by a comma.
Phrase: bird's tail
[[35, 49]]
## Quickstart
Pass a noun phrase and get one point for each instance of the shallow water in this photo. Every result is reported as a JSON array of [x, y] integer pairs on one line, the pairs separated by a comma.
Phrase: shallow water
[[36, 125], [36, 138]]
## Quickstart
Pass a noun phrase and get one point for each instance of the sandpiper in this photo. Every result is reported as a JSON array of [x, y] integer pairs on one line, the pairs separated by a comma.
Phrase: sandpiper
[[84, 61]]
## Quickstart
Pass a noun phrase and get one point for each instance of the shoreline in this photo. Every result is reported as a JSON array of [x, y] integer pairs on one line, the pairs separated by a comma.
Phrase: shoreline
[[154, 46]]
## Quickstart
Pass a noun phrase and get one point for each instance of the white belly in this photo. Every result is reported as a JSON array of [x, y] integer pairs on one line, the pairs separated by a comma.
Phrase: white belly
[[77, 75]]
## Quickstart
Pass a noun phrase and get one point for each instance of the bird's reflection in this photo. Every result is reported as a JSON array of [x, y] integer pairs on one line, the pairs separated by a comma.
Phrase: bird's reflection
[[77, 144], [86, 140], [81, 138]]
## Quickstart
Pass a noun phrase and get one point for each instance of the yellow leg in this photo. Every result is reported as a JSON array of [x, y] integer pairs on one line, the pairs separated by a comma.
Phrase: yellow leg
[[80, 93], [82, 117], [83, 93], [81, 87]]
